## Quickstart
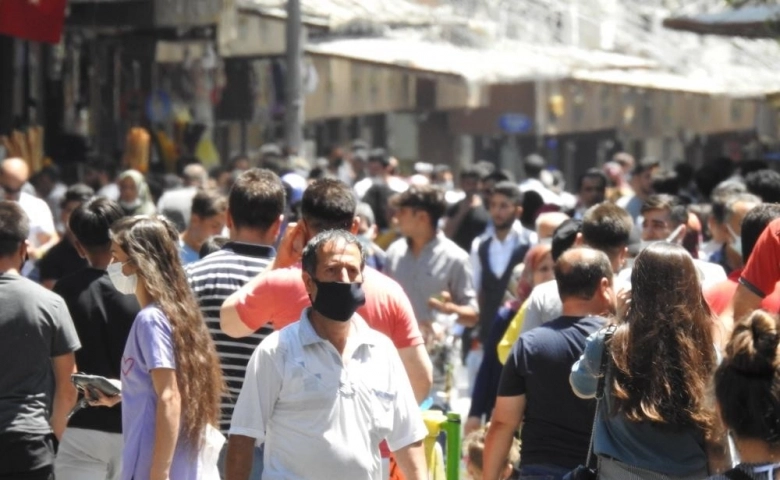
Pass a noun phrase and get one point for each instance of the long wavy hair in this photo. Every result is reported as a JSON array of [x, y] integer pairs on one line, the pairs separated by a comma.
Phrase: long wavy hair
[[151, 245], [663, 351]]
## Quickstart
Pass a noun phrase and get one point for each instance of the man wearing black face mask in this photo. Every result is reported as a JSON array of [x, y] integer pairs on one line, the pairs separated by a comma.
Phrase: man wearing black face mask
[[323, 392]]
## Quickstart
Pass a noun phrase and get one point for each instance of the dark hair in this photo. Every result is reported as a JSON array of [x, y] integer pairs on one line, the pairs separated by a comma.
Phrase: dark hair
[[666, 182], [425, 198], [510, 190], [151, 244], [207, 203], [739, 198], [579, 271], [594, 173], [606, 227], [684, 173], [498, 176], [747, 167], [754, 223], [747, 382], [472, 171], [678, 213], [645, 164], [379, 155], [91, 223], [328, 204], [14, 227], [256, 199], [564, 237], [312, 249], [211, 245], [532, 203], [663, 350], [101, 164], [77, 193], [765, 184], [533, 165]]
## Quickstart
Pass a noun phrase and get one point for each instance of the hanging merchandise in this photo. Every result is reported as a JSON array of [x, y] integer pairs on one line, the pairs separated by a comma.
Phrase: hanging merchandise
[[27, 145], [36, 20], [137, 146], [206, 151], [168, 151]]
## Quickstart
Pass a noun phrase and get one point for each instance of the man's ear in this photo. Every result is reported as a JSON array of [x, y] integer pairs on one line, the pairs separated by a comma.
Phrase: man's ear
[[578, 241], [519, 213], [276, 227], [308, 282], [355, 226], [229, 220]]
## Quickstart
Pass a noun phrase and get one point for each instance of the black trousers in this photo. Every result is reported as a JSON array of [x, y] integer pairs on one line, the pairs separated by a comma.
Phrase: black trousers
[[27, 456]]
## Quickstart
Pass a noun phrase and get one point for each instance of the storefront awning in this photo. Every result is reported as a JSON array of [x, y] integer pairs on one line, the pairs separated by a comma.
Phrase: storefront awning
[[751, 22]]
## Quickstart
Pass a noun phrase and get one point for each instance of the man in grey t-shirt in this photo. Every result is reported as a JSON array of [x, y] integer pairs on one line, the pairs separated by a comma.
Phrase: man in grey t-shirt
[[37, 341]]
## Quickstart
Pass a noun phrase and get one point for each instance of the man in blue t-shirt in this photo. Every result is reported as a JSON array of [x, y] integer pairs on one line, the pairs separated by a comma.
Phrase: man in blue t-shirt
[[534, 388]]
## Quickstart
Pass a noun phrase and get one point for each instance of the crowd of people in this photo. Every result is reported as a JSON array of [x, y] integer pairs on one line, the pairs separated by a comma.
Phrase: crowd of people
[[271, 319]]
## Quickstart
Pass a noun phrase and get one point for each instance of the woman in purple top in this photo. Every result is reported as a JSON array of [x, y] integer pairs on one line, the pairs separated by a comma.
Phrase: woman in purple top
[[171, 378]]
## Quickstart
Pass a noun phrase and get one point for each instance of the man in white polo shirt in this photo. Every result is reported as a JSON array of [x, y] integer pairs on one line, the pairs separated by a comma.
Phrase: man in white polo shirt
[[322, 393], [14, 174]]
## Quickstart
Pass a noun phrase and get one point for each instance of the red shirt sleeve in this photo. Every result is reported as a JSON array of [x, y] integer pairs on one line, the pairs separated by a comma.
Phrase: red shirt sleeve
[[279, 299], [389, 310], [762, 271]]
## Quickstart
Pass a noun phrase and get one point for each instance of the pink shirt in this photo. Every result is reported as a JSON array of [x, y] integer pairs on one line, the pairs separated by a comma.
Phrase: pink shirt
[[281, 296]]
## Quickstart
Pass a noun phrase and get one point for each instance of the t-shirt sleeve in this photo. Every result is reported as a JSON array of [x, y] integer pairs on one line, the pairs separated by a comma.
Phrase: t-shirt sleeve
[[762, 271], [512, 383], [275, 299], [408, 425], [155, 340], [406, 332], [64, 339], [262, 384], [533, 312]]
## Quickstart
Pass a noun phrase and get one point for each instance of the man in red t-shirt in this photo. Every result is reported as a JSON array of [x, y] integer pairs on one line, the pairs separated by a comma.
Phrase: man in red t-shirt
[[759, 277], [719, 295], [278, 295]]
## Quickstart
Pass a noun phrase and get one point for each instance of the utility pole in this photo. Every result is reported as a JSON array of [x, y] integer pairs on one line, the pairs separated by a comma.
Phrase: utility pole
[[293, 111]]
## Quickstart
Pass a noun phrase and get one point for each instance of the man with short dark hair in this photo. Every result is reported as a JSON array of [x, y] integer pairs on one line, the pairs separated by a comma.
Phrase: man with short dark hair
[[591, 190], [207, 219], [642, 185], [765, 184], [432, 269], [100, 173], [63, 258], [605, 227], [254, 216], [37, 341], [754, 223], [467, 219], [534, 388], [92, 444], [729, 256], [322, 393]]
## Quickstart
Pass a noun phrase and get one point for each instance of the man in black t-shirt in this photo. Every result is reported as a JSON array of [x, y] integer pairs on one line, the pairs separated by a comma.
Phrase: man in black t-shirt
[[92, 443], [62, 259], [534, 388]]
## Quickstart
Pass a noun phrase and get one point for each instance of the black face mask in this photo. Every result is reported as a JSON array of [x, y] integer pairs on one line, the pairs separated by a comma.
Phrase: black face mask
[[338, 301]]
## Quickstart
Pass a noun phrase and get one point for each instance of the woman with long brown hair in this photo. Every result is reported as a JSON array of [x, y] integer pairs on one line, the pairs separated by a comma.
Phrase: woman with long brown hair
[[171, 378], [656, 420], [747, 387]]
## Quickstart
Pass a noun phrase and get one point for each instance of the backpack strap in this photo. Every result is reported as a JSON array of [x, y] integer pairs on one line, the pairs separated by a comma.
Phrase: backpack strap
[[737, 474]]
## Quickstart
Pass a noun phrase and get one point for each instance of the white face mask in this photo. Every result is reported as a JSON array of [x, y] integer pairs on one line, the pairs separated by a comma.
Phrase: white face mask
[[125, 284]]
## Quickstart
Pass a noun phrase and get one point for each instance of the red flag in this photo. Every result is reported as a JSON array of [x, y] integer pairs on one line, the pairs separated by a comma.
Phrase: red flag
[[37, 20]]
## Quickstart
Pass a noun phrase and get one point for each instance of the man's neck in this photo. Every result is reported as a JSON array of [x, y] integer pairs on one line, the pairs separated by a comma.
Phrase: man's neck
[[419, 241], [9, 267], [756, 451], [335, 332], [251, 236], [575, 307], [99, 261], [503, 233], [189, 239]]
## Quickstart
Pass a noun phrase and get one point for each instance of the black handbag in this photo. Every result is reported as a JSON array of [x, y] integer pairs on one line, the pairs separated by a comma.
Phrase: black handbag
[[589, 471]]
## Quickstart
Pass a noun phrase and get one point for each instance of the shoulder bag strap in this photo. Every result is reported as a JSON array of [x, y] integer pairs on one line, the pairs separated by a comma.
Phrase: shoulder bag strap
[[600, 388]]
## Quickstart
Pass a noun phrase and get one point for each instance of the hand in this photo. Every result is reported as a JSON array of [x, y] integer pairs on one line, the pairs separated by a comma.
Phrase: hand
[[97, 398], [291, 246], [442, 303], [623, 303], [472, 424], [158, 476]]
